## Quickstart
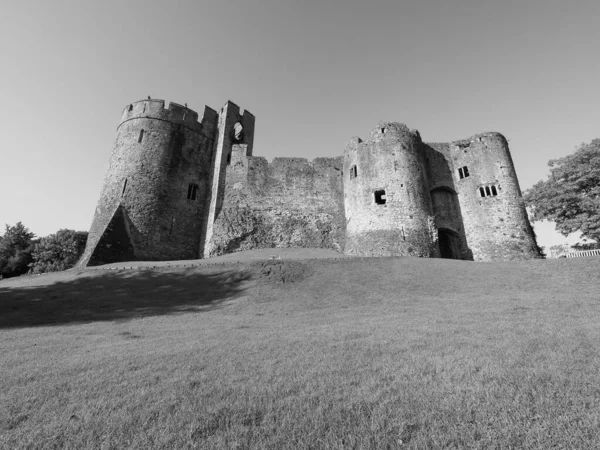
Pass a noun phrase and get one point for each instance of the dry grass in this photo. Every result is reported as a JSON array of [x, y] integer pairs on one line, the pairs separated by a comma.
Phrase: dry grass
[[369, 353]]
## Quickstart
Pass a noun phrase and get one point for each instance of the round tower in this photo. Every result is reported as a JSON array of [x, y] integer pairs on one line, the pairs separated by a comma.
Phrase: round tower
[[386, 195], [154, 193], [496, 223]]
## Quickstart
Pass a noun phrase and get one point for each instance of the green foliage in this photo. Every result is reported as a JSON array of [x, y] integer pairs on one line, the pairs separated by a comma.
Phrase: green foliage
[[59, 251], [570, 196], [15, 250]]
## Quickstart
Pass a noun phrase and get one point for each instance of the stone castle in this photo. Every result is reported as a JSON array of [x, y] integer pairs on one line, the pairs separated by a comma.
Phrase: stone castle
[[179, 187]]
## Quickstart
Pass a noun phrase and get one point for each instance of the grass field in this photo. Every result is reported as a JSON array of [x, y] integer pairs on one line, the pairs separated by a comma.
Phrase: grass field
[[347, 354]]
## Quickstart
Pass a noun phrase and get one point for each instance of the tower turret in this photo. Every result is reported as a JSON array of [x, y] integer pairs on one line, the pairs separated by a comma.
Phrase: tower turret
[[496, 223], [154, 194], [386, 195]]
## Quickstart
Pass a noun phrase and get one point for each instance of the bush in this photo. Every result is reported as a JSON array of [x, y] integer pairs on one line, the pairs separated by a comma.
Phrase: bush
[[59, 251], [15, 250]]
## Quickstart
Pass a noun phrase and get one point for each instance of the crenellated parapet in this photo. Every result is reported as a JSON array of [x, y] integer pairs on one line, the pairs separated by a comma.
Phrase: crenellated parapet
[[174, 113]]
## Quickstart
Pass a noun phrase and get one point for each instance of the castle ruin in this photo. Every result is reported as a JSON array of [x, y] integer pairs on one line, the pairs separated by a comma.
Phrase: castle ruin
[[179, 187]]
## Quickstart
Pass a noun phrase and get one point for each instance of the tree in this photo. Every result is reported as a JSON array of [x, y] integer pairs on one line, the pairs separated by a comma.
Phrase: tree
[[570, 196], [59, 251], [15, 250]]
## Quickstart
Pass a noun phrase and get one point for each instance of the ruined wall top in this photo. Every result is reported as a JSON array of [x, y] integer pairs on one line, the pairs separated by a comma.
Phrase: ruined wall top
[[481, 138], [392, 131]]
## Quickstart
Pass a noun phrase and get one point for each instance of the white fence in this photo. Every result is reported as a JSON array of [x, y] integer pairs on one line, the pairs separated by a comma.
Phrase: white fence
[[595, 252]]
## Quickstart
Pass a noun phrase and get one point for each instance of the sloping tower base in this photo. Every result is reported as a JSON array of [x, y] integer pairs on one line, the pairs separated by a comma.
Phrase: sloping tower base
[[114, 245]]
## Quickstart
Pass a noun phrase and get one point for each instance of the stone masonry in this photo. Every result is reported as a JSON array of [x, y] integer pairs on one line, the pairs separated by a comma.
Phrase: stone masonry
[[183, 187]]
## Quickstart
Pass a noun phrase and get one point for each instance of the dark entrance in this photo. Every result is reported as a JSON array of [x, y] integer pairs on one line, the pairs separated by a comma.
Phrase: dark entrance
[[449, 244]]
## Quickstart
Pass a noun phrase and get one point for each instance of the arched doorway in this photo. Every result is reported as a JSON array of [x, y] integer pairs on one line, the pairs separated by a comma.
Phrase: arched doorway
[[449, 243]]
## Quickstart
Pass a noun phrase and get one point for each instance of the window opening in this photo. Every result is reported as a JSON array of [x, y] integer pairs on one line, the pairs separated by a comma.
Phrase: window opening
[[229, 158], [353, 172], [192, 191], [488, 191], [141, 135], [466, 171], [124, 187], [238, 132], [172, 223], [380, 197], [463, 172], [130, 107], [383, 130]]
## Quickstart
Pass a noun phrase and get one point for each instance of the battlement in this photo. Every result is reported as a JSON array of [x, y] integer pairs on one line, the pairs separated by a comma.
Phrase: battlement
[[232, 108], [155, 109]]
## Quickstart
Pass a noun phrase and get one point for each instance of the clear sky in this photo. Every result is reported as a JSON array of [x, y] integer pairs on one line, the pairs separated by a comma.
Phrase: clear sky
[[313, 72]]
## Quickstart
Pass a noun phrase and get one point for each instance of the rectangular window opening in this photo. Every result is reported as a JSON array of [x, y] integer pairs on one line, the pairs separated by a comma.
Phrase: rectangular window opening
[[494, 191], [487, 191], [353, 172], [460, 173], [141, 136], [380, 197], [466, 171], [482, 192]]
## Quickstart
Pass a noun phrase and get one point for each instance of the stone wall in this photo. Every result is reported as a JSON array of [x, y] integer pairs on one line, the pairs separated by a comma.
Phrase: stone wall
[[290, 202]]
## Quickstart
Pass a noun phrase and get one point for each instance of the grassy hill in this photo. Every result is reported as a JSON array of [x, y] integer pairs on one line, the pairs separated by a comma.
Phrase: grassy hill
[[304, 353]]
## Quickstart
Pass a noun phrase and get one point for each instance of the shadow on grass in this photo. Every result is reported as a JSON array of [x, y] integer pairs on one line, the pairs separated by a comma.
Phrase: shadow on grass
[[98, 296]]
